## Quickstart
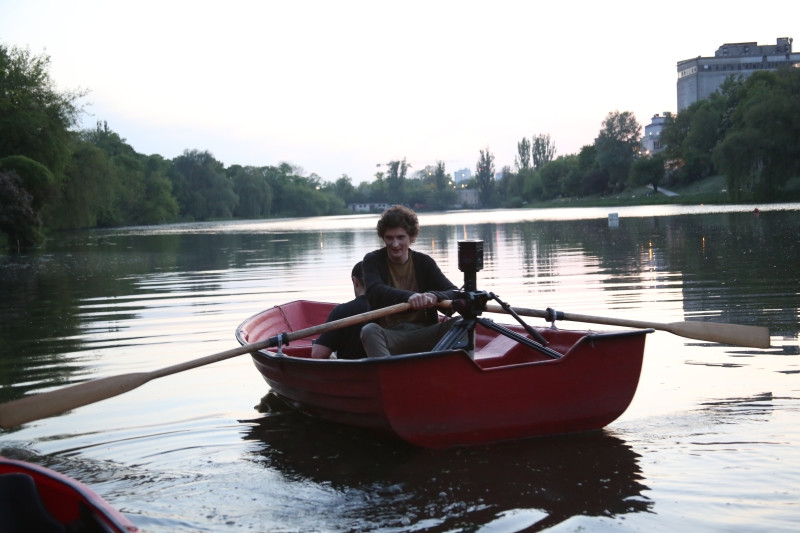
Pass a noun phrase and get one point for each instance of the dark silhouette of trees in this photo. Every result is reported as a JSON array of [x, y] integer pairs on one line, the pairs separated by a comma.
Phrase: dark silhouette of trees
[[203, 190], [18, 220], [53, 177], [543, 150], [35, 117], [760, 150], [617, 146], [648, 170], [485, 178]]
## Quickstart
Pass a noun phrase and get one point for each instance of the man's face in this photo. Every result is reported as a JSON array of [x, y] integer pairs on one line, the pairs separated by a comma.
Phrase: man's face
[[397, 242]]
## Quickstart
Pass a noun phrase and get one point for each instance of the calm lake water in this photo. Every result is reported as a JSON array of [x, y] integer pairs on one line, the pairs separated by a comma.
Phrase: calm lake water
[[711, 441]]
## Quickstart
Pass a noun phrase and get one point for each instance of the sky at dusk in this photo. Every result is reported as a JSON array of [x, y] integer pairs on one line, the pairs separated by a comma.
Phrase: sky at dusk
[[339, 87]]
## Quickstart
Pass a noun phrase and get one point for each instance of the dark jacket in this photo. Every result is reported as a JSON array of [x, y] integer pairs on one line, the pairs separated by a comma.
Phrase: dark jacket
[[429, 279], [346, 342]]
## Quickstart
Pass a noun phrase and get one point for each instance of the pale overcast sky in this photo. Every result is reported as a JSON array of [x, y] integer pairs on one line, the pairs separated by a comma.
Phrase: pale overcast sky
[[337, 87]]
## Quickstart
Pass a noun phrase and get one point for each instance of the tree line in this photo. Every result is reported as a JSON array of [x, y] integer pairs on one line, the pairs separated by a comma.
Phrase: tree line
[[748, 131], [53, 176]]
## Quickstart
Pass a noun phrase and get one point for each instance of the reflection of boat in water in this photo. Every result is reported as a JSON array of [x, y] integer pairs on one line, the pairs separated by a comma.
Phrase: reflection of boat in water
[[35, 499], [541, 482]]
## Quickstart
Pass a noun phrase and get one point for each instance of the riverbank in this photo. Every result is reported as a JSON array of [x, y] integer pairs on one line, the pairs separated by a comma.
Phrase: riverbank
[[711, 190]]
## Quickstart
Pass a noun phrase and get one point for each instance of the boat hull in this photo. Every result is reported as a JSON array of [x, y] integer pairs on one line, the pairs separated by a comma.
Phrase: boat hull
[[443, 399], [54, 498]]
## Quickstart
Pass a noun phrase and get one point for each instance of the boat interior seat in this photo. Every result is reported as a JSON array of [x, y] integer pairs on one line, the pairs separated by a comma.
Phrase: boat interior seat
[[22, 509]]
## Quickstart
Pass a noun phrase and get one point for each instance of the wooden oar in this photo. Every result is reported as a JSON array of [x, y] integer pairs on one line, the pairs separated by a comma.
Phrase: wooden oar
[[750, 336], [55, 402]]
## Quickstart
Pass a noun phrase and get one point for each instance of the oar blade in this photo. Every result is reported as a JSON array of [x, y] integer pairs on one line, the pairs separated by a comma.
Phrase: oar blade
[[34, 407], [736, 334]]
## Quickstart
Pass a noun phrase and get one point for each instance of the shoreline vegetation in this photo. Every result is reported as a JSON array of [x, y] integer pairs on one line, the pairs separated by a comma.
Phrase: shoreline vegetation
[[709, 191], [712, 190], [53, 177]]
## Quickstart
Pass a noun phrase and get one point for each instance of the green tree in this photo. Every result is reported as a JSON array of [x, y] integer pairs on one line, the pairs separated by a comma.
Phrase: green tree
[[295, 195], [531, 184], [592, 179], [159, 204], [767, 117], [36, 178], [252, 188], [35, 117], [688, 140], [728, 97], [280, 180], [343, 188], [107, 140], [87, 192], [543, 150], [124, 182], [617, 145], [140, 191], [571, 175], [523, 159], [129, 191], [512, 186], [309, 200], [648, 171], [484, 175], [672, 137], [373, 192], [699, 144], [395, 180], [737, 157], [443, 195], [441, 180], [19, 222], [555, 176], [501, 190], [418, 192], [587, 158], [204, 191]]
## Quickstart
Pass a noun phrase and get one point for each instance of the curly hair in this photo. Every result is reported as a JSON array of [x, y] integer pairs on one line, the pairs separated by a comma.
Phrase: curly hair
[[399, 216]]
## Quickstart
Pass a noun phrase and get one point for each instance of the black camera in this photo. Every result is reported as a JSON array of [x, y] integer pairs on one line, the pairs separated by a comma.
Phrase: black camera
[[470, 261]]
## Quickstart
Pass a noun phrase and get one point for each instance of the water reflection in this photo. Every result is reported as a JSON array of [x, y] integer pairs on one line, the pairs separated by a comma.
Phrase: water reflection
[[81, 294], [99, 303], [754, 408], [528, 485]]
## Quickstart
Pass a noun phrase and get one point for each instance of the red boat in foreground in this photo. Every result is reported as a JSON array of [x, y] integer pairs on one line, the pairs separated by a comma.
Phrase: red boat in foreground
[[503, 389], [36, 499]]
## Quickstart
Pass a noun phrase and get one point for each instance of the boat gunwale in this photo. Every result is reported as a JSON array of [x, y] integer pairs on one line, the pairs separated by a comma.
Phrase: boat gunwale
[[589, 336]]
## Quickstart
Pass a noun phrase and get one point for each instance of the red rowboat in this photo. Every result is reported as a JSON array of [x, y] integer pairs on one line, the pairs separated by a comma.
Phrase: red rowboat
[[35, 498], [447, 398]]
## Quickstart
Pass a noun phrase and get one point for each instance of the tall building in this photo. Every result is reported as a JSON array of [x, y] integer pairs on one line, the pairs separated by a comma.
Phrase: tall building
[[701, 76]]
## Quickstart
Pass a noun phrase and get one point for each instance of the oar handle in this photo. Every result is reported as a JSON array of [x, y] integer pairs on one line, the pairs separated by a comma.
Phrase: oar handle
[[284, 338], [369, 316]]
